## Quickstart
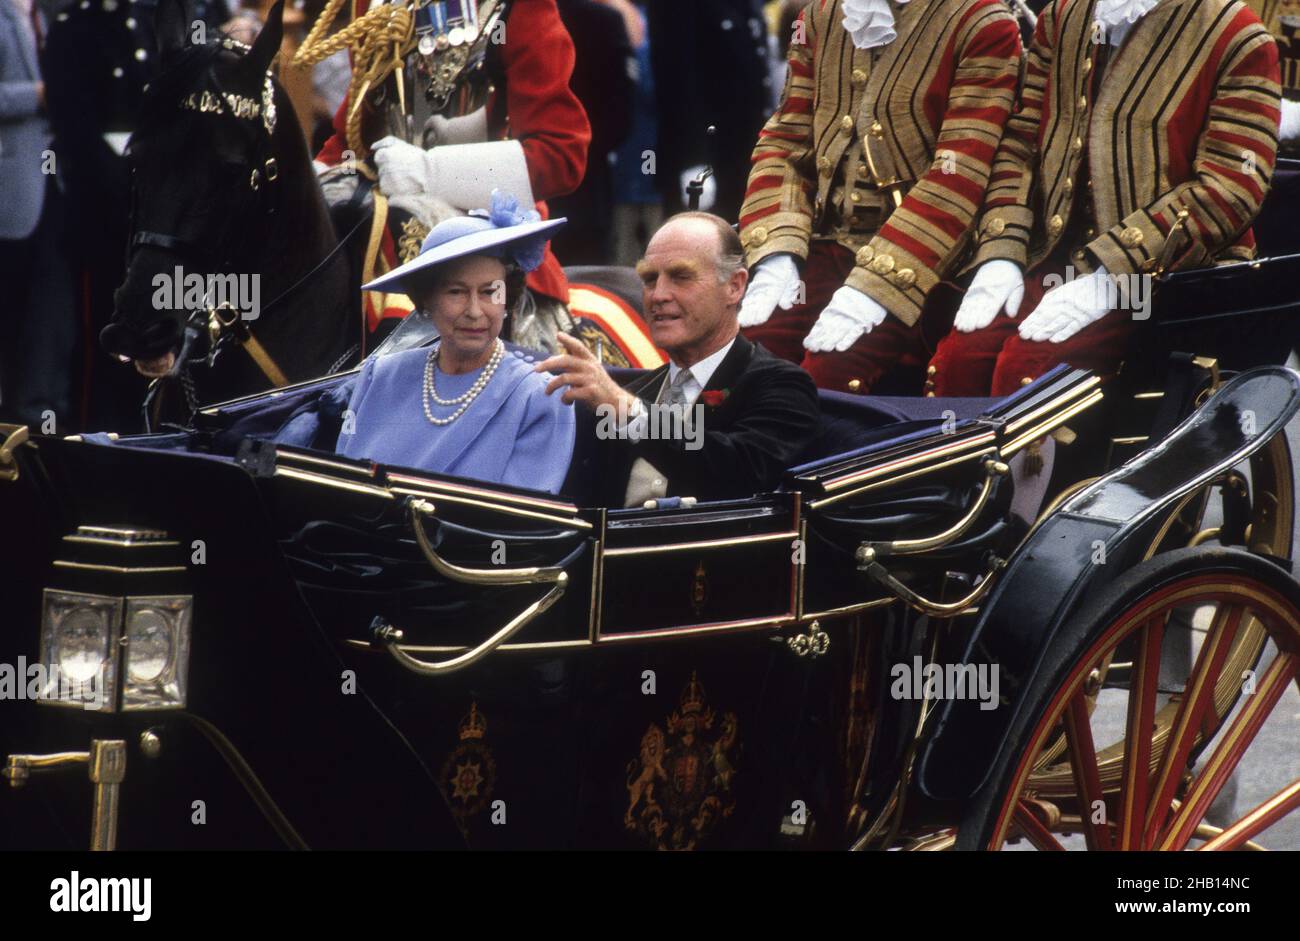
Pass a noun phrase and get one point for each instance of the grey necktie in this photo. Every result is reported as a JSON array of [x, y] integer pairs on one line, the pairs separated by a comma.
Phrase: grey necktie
[[675, 393], [646, 482]]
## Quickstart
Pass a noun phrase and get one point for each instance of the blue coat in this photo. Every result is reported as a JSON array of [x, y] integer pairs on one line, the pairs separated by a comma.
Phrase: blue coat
[[512, 433]]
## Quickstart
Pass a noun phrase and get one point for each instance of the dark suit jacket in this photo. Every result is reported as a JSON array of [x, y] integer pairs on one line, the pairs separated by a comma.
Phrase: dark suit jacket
[[767, 417]]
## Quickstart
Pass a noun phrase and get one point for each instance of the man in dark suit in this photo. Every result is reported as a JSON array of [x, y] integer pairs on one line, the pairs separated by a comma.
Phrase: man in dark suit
[[747, 414]]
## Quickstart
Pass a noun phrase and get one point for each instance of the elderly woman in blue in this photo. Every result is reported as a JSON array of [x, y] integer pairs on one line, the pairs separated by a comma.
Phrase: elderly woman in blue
[[469, 405]]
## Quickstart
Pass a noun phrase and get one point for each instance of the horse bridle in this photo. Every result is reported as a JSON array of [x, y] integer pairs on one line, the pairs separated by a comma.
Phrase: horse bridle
[[228, 325]]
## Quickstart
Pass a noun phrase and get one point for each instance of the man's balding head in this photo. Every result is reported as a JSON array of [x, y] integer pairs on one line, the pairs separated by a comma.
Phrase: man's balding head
[[693, 278]]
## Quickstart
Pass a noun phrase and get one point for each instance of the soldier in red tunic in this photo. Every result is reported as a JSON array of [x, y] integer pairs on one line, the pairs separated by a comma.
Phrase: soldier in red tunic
[[484, 104]]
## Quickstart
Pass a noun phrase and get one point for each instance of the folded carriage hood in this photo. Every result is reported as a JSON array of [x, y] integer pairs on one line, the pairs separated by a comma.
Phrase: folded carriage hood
[[261, 669], [1053, 574]]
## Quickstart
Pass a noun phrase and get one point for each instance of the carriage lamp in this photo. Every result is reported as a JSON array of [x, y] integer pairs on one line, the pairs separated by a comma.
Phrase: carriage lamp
[[157, 652], [116, 622], [77, 651]]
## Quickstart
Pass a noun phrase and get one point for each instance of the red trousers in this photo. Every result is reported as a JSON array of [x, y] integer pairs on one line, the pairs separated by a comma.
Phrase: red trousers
[[996, 361], [891, 344]]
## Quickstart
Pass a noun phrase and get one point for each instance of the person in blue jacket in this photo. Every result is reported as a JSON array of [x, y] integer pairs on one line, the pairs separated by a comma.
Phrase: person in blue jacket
[[469, 405]]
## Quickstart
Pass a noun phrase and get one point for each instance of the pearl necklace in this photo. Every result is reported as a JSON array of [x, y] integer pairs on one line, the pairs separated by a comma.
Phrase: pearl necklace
[[464, 401]]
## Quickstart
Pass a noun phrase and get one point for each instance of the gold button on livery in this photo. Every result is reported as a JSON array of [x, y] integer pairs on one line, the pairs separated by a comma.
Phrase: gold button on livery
[[882, 264], [877, 129], [846, 122], [1087, 66], [995, 227], [1055, 225], [931, 369], [1078, 256], [1025, 380], [1131, 237], [905, 278], [823, 164], [1069, 186], [1077, 145], [855, 385], [758, 235], [863, 171], [855, 196], [1083, 102], [858, 78], [864, 256]]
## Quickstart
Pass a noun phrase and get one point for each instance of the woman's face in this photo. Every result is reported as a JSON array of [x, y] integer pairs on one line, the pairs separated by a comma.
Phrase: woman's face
[[468, 306]]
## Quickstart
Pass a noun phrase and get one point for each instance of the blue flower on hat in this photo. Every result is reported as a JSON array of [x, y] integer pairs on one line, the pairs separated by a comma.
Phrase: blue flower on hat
[[504, 213]]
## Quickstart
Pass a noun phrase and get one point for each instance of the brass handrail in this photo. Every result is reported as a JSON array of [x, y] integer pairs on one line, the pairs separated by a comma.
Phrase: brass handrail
[[925, 605], [14, 436], [388, 637], [532, 575], [868, 551]]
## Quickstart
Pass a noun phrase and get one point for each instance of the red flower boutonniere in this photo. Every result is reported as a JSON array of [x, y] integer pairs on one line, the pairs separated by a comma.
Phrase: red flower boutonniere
[[714, 397]]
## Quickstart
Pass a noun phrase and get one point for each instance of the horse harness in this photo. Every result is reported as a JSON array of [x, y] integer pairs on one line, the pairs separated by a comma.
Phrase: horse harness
[[223, 322]]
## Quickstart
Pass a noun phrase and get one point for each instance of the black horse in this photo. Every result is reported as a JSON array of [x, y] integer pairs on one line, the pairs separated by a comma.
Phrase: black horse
[[236, 279]]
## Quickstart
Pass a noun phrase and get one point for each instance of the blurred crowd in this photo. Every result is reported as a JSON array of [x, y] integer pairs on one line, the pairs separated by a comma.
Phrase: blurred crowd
[[671, 87]]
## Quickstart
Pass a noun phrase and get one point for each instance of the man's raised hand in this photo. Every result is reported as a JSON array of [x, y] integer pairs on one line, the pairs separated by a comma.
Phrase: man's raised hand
[[584, 376]]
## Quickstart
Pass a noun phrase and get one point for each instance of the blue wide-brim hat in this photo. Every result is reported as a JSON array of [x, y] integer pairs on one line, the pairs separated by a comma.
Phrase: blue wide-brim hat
[[503, 232]]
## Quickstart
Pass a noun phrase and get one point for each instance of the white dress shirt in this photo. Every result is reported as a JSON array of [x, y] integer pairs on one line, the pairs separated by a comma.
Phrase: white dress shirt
[[647, 482]]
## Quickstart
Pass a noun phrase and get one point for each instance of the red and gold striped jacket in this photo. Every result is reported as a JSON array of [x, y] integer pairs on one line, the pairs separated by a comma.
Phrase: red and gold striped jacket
[[886, 151], [1181, 139]]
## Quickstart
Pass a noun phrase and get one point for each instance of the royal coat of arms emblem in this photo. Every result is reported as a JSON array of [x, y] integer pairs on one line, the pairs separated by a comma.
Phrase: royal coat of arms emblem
[[470, 772], [680, 786]]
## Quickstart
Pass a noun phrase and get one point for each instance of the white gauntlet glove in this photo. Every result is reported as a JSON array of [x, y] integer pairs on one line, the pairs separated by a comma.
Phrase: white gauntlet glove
[[848, 316], [461, 175], [997, 285], [1067, 309], [775, 282], [404, 169]]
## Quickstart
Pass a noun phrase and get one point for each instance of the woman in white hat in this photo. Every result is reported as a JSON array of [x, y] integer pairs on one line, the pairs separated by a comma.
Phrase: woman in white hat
[[468, 405]]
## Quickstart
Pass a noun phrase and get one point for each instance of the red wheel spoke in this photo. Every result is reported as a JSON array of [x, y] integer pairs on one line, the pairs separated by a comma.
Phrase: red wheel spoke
[[1196, 699], [1258, 820], [1229, 751], [1087, 777], [1034, 830], [1136, 778]]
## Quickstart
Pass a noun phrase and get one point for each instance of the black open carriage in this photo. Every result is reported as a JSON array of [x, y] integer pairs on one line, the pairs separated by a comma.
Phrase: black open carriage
[[298, 649]]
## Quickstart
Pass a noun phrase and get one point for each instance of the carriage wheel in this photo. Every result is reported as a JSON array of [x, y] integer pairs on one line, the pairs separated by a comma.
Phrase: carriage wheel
[[1164, 792], [1269, 534]]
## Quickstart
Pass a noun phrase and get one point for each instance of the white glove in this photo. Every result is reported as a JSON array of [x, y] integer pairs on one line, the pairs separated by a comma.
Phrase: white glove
[[997, 285], [848, 316], [1067, 309], [467, 129], [338, 184], [1290, 129], [775, 282], [709, 195], [404, 169]]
